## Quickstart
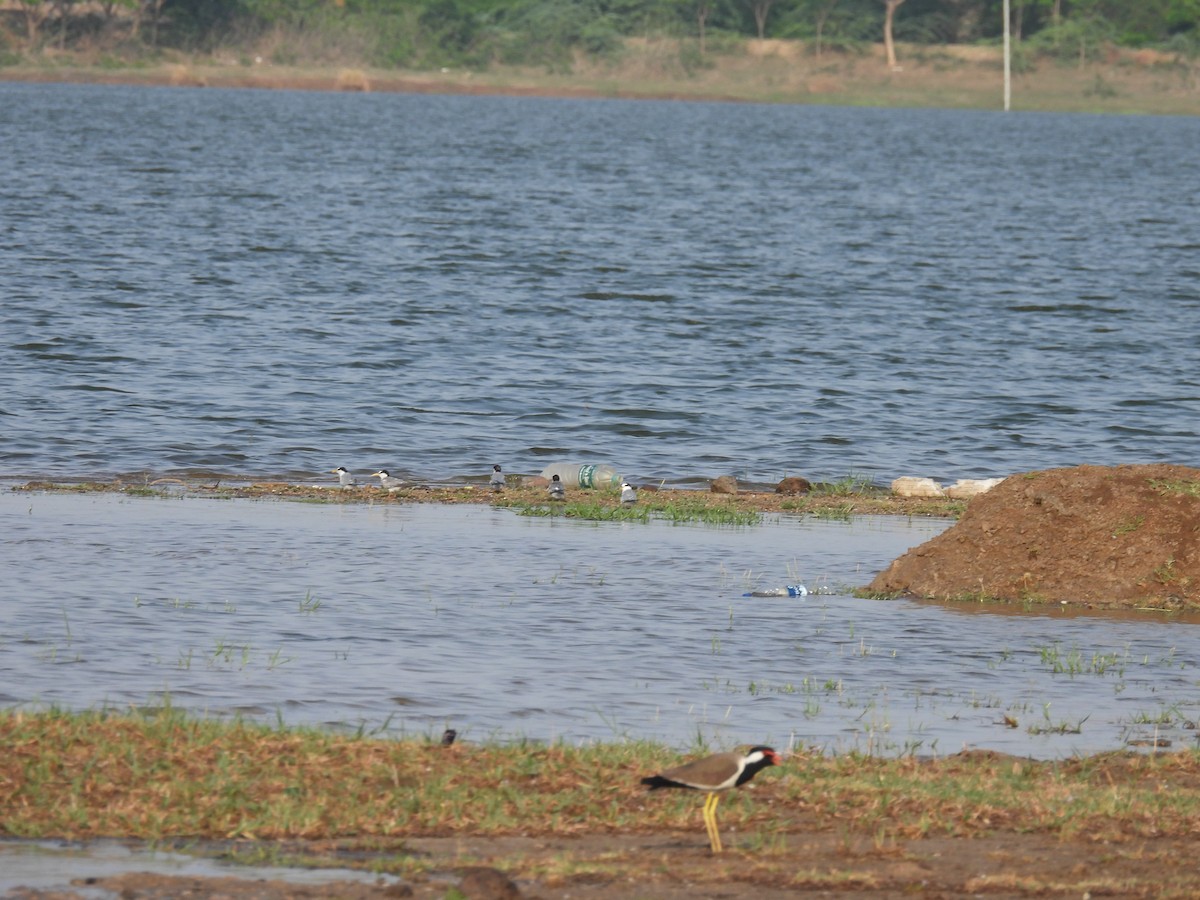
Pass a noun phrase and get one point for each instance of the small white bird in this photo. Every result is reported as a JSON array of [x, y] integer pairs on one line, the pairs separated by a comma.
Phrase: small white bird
[[497, 479], [558, 490], [345, 479], [388, 481], [628, 494]]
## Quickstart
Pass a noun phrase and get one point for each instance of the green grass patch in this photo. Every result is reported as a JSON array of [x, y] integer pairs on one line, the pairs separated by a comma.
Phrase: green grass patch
[[700, 510], [852, 485], [1176, 487], [1128, 526]]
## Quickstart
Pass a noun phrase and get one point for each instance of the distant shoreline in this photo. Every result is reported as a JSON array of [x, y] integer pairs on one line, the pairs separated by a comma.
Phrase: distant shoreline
[[778, 72]]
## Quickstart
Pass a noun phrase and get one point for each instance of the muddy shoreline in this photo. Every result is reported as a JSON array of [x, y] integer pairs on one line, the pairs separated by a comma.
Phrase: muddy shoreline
[[836, 502]]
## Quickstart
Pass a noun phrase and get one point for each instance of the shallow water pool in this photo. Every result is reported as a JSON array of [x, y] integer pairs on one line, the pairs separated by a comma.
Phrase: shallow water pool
[[405, 620]]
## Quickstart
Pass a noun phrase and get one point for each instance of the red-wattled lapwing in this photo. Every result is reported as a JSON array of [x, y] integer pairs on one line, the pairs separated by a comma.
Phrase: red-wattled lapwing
[[713, 774]]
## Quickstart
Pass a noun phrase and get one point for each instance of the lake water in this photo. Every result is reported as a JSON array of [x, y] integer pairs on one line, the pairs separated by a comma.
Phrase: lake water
[[272, 284], [255, 284], [405, 620]]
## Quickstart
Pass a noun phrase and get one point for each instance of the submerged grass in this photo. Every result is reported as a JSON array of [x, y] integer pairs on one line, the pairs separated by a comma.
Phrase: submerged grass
[[164, 775], [678, 510]]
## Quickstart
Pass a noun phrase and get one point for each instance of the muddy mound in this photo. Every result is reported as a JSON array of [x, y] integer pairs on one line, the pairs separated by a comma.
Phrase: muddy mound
[[1127, 536]]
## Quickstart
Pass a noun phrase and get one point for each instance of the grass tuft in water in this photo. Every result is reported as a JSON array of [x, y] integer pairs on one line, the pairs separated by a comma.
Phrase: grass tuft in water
[[677, 511], [852, 485]]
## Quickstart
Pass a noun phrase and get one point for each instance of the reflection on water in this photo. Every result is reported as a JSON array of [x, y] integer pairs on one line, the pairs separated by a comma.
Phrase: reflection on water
[[406, 619], [52, 865]]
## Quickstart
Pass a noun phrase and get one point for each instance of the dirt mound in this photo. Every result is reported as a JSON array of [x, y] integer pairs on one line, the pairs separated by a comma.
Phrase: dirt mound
[[1127, 536]]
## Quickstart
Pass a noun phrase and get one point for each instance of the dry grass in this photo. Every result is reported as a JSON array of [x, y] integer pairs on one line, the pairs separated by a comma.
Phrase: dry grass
[[353, 80], [575, 822], [163, 774]]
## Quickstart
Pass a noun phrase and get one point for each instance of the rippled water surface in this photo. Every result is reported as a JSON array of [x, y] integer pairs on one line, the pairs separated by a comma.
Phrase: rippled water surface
[[271, 284], [410, 619], [276, 283], [62, 869]]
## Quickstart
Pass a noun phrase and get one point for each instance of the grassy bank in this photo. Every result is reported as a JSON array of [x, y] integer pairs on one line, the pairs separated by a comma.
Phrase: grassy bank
[[325, 799], [967, 77]]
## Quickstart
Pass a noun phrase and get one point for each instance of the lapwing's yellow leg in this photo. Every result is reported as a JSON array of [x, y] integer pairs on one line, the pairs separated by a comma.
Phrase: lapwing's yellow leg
[[710, 821]]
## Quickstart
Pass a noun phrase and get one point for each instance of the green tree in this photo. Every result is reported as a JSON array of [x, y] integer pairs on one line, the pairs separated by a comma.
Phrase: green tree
[[702, 13], [829, 22], [760, 9], [63, 8], [1183, 15], [193, 23], [821, 10], [449, 26], [35, 13], [1079, 35]]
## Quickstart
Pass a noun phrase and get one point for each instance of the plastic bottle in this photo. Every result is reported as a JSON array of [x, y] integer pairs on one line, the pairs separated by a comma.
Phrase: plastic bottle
[[573, 475], [791, 590]]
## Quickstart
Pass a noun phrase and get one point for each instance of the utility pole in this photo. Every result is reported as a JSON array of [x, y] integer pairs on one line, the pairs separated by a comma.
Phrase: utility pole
[[1007, 60]]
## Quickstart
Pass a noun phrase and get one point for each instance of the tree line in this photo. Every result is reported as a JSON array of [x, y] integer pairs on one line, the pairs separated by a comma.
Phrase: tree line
[[477, 33]]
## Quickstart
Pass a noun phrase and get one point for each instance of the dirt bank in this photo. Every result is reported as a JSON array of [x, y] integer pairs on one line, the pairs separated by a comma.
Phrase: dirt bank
[[1102, 537]]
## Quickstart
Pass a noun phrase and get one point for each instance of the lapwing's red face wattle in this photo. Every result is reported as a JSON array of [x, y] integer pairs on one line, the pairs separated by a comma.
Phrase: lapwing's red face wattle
[[768, 755]]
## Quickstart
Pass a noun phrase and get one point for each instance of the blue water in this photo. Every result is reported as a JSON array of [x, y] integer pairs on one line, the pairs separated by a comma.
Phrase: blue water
[[271, 284]]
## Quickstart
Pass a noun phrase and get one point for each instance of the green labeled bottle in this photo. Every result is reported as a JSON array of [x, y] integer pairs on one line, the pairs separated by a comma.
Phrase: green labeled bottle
[[603, 476]]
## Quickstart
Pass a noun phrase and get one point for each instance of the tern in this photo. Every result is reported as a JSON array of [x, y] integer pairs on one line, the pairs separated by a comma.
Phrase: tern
[[628, 494], [497, 479], [345, 479], [558, 490], [388, 481]]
